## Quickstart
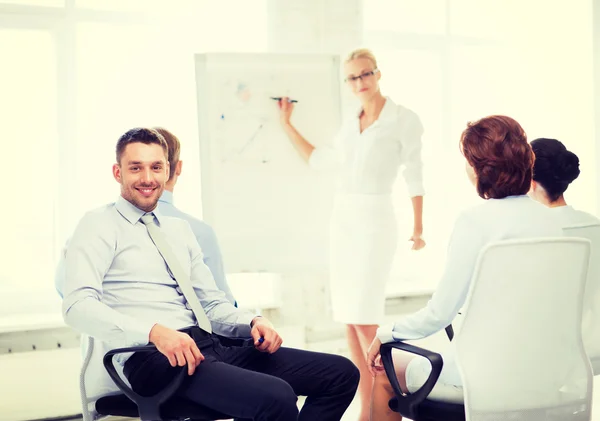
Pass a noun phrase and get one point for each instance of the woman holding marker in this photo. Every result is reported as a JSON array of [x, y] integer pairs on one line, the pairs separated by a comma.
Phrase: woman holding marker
[[368, 151]]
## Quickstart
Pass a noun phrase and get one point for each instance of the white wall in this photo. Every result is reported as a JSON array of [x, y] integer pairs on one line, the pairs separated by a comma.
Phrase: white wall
[[458, 61]]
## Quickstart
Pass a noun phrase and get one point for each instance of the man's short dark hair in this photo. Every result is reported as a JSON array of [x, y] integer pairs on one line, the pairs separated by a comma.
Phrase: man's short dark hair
[[141, 135]]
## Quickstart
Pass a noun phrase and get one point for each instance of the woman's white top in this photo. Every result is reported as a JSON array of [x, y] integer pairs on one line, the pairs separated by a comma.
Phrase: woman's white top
[[368, 162], [569, 217], [494, 220]]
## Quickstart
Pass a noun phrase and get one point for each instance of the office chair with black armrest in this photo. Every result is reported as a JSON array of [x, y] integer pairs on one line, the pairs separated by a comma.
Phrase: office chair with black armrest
[[160, 407], [416, 406], [520, 355]]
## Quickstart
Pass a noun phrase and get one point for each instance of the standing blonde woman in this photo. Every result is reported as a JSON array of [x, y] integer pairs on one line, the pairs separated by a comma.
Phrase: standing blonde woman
[[368, 151]]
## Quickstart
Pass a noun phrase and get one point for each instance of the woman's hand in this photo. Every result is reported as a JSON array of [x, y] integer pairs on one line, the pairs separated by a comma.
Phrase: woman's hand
[[285, 110], [373, 358], [418, 242]]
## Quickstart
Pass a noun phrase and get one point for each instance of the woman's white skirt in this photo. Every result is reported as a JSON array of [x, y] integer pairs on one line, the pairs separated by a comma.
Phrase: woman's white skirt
[[363, 242]]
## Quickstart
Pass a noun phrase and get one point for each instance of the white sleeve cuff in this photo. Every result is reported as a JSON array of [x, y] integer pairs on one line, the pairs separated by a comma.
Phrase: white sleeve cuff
[[324, 158], [139, 333], [415, 188], [315, 160], [385, 333]]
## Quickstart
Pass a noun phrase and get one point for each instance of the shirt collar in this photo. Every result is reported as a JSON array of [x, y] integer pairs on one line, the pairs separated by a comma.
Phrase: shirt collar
[[386, 113], [133, 213], [562, 208], [514, 197], [167, 197]]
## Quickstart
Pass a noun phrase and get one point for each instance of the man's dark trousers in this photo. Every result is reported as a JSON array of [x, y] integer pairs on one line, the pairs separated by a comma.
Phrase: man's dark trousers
[[245, 383]]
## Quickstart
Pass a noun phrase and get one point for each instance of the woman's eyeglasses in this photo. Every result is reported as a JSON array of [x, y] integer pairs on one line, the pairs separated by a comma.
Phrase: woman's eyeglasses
[[363, 76]]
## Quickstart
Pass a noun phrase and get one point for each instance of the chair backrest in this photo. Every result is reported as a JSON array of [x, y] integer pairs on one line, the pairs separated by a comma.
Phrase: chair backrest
[[94, 381], [87, 351], [591, 301], [520, 350]]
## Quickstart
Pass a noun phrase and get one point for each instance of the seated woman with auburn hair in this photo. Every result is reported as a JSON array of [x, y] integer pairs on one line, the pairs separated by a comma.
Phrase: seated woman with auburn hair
[[499, 163]]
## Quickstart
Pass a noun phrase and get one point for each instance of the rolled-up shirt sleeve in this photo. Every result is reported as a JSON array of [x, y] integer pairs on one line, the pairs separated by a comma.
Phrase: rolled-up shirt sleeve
[[465, 244], [328, 156], [411, 146]]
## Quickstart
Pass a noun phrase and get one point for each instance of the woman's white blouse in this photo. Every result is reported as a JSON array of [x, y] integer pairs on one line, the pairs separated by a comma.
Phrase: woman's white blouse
[[494, 220], [569, 216], [368, 162]]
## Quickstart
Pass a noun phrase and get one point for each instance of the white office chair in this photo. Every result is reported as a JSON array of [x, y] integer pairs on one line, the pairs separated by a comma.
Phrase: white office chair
[[591, 303], [520, 350], [87, 404]]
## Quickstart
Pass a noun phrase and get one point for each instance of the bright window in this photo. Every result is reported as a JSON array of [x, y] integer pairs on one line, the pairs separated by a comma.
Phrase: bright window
[[413, 78], [492, 57], [69, 92], [28, 106], [419, 17], [46, 3], [143, 75]]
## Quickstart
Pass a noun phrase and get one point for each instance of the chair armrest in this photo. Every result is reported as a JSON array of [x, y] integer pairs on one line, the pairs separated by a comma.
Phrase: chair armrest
[[450, 332], [148, 406], [408, 403]]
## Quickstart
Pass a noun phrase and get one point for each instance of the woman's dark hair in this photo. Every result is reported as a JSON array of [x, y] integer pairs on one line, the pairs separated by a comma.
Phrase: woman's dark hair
[[497, 149], [555, 167]]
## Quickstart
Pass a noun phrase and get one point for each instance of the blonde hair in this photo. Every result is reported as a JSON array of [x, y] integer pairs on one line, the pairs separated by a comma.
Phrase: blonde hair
[[362, 53]]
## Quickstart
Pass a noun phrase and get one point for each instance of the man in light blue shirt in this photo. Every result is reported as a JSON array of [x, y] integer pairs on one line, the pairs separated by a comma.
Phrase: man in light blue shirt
[[135, 276], [204, 233]]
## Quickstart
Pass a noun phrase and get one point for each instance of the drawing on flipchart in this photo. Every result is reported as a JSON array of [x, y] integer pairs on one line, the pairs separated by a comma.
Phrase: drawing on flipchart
[[243, 119]]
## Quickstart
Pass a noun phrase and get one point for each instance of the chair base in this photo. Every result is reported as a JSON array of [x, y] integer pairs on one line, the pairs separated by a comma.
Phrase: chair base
[[430, 410], [173, 410], [573, 411]]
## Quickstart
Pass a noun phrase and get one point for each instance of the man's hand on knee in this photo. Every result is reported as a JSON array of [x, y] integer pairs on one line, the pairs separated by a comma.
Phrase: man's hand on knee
[[266, 338], [178, 347]]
